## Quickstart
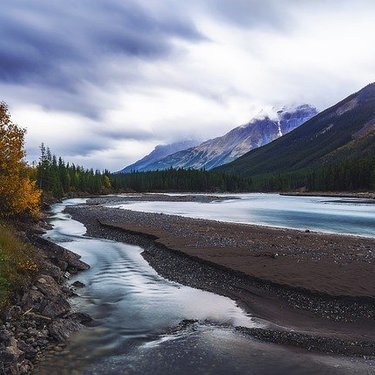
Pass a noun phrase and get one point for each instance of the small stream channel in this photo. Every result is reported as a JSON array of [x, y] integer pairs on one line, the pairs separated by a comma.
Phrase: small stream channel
[[138, 313]]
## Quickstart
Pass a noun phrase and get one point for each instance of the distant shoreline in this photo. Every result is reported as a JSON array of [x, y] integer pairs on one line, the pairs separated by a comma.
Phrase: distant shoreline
[[365, 195]]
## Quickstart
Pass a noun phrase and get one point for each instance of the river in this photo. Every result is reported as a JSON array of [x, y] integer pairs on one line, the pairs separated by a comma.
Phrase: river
[[331, 215], [137, 315]]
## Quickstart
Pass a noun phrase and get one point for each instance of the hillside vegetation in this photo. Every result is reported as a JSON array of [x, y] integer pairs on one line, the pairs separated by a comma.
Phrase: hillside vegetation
[[17, 263], [335, 150]]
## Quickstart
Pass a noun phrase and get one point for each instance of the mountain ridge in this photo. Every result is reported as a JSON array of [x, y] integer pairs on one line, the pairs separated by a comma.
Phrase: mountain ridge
[[158, 153], [223, 149], [333, 134]]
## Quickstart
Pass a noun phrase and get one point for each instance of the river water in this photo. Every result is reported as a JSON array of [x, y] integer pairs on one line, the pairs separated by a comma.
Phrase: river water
[[333, 215], [137, 315]]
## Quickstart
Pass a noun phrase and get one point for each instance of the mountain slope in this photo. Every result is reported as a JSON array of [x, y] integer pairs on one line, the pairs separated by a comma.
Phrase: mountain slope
[[160, 152], [237, 142], [343, 131]]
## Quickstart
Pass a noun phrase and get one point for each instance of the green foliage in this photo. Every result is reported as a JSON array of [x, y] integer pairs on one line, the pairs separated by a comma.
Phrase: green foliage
[[17, 264], [56, 177], [180, 180], [348, 175], [59, 179]]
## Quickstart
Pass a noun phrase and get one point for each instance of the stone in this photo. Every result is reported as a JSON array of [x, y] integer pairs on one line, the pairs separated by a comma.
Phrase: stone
[[12, 351], [13, 313], [56, 308], [32, 299], [5, 336], [78, 284], [62, 265], [29, 350], [48, 286], [81, 318], [62, 329], [25, 367]]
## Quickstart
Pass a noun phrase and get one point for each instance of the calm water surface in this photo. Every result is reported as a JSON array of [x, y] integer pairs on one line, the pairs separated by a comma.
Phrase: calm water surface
[[332, 215], [136, 313]]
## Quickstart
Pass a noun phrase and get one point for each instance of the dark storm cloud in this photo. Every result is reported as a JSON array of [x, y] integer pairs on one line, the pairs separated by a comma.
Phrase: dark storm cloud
[[59, 43]]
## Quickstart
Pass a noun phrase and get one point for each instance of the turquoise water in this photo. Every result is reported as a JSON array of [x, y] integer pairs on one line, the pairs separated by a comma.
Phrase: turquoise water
[[332, 215]]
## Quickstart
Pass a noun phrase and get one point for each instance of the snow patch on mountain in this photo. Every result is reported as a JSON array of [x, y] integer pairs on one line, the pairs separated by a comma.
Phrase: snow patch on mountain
[[237, 142]]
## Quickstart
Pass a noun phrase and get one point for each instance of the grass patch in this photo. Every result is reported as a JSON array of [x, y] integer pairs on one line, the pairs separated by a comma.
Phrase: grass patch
[[17, 263]]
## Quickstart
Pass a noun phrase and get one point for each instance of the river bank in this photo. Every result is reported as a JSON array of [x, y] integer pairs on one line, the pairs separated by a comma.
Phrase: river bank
[[40, 318], [364, 195], [325, 299]]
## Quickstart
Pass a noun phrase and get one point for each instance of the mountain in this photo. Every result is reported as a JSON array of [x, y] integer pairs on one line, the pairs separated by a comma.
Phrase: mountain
[[237, 142], [159, 152], [340, 134]]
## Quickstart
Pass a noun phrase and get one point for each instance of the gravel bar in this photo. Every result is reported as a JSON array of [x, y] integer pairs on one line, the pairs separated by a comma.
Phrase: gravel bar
[[316, 320]]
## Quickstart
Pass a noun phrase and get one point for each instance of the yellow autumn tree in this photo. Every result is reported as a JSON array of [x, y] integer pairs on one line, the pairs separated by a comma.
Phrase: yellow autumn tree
[[18, 192]]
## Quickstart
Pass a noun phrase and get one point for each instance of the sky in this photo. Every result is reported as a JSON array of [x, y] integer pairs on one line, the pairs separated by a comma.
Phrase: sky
[[102, 82]]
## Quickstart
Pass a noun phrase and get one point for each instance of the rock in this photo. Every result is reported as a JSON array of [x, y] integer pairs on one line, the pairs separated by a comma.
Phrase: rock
[[81, 318], [58, 254], [52, 270], [5, 336], [62, 265], [32, 299], [39, 315], [29, 350], [25, 367], [61, 329], [13, 313], [77, 265], [12, 351], [6, 358], [56, 308], [68, 291], [48, 286], [78, 284], [74, 261]]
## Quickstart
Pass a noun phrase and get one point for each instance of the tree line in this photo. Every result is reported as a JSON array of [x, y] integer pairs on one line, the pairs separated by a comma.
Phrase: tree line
[[346, 175], [57, 178], [180, 180], [60, 179]]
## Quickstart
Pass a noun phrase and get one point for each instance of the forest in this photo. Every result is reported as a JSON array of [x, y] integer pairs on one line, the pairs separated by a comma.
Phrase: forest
[[56, 177]]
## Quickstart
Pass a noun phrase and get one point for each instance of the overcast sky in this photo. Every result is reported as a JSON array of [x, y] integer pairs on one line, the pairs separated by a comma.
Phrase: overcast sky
[[103, 81]]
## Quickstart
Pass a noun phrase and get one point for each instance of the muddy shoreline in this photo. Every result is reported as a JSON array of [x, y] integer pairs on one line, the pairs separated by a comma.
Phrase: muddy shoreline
[[295, 316]]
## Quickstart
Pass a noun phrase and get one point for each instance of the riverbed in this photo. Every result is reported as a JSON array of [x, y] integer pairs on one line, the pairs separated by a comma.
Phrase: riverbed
[[147, 324]]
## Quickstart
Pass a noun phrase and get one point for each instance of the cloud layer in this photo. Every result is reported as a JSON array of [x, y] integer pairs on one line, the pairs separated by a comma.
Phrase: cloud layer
[[103, 81]]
